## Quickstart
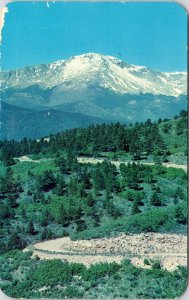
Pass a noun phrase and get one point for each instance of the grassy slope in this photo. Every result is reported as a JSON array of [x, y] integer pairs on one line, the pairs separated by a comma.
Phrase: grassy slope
[[176, 144]]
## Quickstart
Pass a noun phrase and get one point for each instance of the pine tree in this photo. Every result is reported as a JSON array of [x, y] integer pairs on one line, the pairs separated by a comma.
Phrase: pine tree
[[15, 242], [85, 179], [155, 199], [135, 208], [157, 159], [31, 229], [81, 191], [61, 163], [7, 155], [46, 234], [98, 180], [61, 185], [90, 201], [23, 213], [11, 201], [179, 193], [130, 196], [181, 214], [63, 217], [48, 181]]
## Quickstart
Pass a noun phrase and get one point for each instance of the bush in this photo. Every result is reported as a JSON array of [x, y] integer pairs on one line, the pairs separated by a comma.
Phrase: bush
[[154, 220], [50, 273], [146, 262], [156, 265], [72, 280], [100, 270]]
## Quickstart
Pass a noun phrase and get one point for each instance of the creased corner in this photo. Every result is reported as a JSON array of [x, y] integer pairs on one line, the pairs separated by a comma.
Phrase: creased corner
[[3, 11]]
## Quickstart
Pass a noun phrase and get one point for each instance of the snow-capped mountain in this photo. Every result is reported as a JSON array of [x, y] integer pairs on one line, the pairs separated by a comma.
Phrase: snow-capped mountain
[[97, 86], [94, 69]]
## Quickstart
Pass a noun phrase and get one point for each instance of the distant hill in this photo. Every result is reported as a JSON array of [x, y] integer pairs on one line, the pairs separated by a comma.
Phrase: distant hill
[[18, 122]]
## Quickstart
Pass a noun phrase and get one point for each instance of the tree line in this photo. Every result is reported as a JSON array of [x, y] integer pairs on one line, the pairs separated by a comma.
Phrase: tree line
[[137, 139]]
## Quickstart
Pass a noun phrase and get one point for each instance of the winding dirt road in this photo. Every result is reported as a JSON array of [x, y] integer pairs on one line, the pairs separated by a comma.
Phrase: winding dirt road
[[91, 160], [169, 249], [26, 158]]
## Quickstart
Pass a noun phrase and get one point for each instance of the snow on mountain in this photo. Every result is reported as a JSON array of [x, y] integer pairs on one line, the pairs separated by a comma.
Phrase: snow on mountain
[[91, 69], [86, 89]]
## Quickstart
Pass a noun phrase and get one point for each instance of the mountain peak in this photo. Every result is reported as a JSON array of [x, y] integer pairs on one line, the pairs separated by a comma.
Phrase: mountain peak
[[94, 85], [94, 69]]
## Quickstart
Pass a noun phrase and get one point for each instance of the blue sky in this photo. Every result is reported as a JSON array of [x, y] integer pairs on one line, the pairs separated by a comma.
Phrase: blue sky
[[150, 34]]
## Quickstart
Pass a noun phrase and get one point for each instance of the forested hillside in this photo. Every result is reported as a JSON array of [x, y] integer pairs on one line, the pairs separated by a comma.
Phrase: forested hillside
[[49, 194], [166, 139]]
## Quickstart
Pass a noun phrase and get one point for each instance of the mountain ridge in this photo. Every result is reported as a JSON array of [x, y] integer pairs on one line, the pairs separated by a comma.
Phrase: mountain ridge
[[101, 65], [96, 86]]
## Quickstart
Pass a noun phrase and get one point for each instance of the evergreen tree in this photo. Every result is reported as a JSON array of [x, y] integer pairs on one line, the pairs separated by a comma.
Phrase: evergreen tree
[[98, 180], [135, 208], [81, 191], [181, 214], [61, 163], [175, 199], [85, 179], [166, 128], [47, 181], [130, 196], [7, 155], [61, 185], [6, 212], [90, 201], [46, 234], [179, 193], [23, 213], [63, 217], [180, 126], [15, 242], [157, 159], [155, 199], [11, 201], [31, 229], [72, 186]]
